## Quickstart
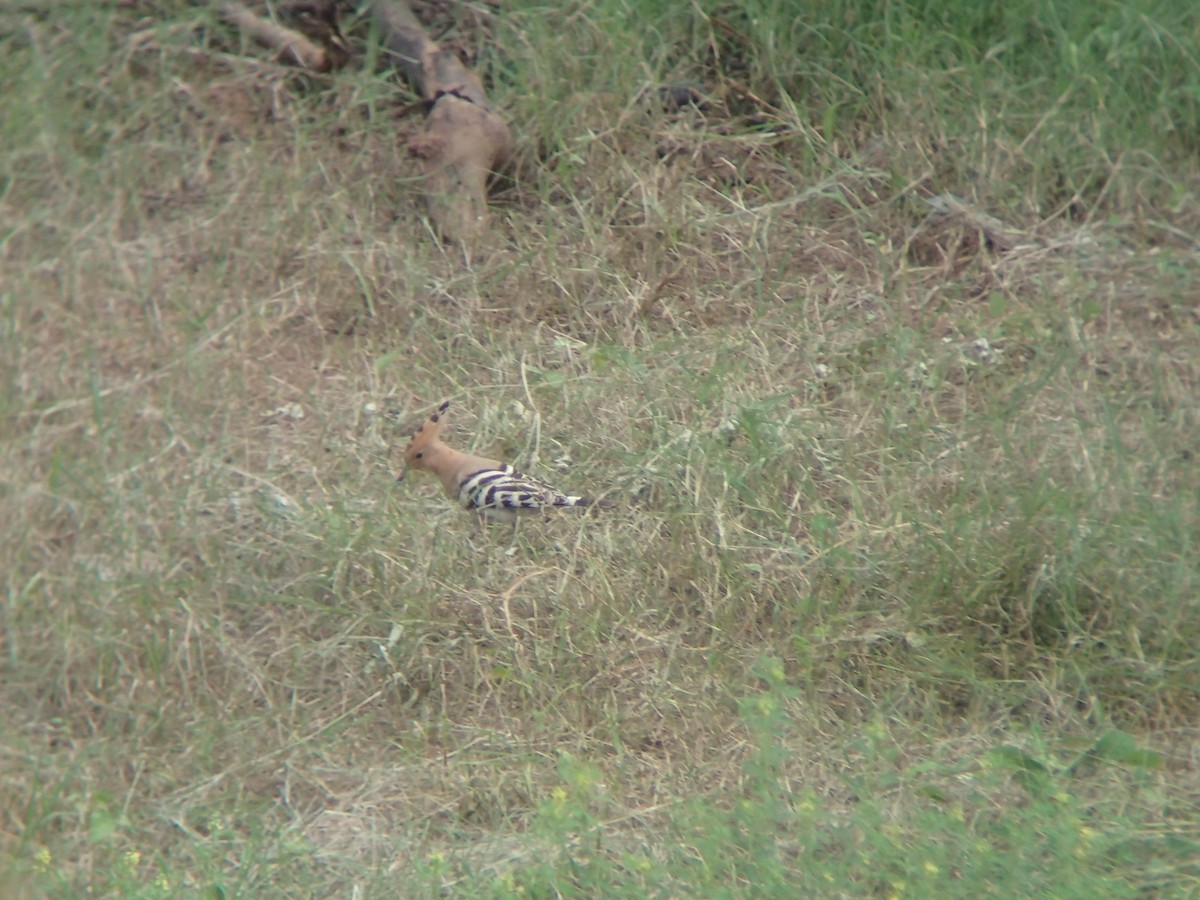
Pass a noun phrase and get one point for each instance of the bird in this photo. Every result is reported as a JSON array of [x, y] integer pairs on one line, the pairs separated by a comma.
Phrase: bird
[[494, 491]]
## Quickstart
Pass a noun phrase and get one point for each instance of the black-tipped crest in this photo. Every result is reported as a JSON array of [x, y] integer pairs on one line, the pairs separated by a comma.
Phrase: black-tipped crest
[[429, 432]]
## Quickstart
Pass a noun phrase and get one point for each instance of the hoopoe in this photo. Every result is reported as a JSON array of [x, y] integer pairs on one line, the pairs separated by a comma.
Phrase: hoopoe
[[493, 490]]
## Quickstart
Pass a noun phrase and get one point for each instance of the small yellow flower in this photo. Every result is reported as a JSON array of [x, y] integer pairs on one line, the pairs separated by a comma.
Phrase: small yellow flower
[[1088, 834], [132, 858], [931, 867], [558, 799], [585, 778], [162, 882], [509, 883], [42, 858]]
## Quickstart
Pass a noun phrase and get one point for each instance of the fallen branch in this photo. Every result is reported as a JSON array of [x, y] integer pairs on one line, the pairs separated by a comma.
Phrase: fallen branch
[[292, 46], [464, 140], [995, 232]]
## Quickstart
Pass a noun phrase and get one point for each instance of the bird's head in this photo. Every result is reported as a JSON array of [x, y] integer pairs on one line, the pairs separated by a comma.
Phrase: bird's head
[[426, 443]]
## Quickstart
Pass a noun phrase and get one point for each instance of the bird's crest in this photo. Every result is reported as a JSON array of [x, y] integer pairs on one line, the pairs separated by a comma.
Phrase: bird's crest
[[429, 432]]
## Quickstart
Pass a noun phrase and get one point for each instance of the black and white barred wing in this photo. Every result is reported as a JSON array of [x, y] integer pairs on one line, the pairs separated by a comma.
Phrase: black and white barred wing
[[509, 491]]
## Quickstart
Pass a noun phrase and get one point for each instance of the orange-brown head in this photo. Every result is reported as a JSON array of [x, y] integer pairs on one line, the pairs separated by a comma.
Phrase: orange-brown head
[[423, 450]]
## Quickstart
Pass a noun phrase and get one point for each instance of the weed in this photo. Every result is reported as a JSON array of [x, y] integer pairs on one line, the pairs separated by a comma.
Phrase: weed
[[903, 586]]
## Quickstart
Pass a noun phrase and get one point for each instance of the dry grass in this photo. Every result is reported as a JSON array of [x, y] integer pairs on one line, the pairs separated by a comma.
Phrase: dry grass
[[949, 489]]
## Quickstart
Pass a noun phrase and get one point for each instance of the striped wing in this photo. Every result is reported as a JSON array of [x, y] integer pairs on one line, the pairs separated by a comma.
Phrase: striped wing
[[508, 490]]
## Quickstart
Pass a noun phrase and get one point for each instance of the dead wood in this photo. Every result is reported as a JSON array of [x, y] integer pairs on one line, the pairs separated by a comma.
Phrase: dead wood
[[292, 46], [463, 141], [995, 232]]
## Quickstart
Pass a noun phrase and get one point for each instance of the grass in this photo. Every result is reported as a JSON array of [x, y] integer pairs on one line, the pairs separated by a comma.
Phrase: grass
[[902, 597]]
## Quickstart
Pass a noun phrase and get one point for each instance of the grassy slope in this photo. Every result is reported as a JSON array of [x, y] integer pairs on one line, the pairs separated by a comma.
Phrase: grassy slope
[[907, 587]]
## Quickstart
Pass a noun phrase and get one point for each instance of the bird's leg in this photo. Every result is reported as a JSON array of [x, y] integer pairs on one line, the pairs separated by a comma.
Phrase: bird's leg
[[512, 543]]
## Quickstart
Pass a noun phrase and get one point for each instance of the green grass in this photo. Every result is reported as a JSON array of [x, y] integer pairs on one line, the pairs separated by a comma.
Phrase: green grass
[[901, 598]]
